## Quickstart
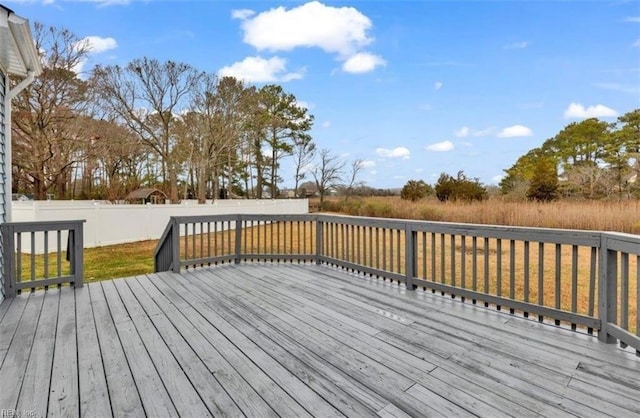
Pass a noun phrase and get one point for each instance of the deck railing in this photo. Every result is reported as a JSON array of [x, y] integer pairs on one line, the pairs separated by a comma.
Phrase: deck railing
[[582, 279], [60, 263]]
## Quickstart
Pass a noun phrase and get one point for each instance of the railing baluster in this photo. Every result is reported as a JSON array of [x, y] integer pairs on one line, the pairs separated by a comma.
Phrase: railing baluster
[[474, 265], [499, 269], [558, 277], [33, 257], [512, 272], [624, 293], [452, 252], [592, 284], [424, 255], [391, 230], [486, 267], [574, 282], [46, 254], [399, 251], [463, 263], [377, 248], [19, 259], [443, 273], [541, 277], [433, 258], [59, 258], [526, 275], [384, 250]]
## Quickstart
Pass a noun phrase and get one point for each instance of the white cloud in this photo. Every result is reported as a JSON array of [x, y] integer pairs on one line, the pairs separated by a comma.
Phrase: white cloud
[[465, 131], [399, 152], [368, 163], [426, 106], [326, 124], [97, 44], [362, 62], [419, 170], [517, 45], [515, 131], [578, 111], [373, 172], [443, 146], [437, 85], [636, 44], [341, 30], [93, 45], [462, 132], [242, 14], [632, 19], [497, 179], [260, 70]]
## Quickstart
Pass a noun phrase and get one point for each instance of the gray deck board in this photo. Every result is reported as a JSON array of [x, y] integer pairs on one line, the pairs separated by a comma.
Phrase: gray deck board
[[153, 394], [63, 395], [13, 370], [279, 339], [409, 365], [34, 395], [217, 355], [123, 392], [94, 395]]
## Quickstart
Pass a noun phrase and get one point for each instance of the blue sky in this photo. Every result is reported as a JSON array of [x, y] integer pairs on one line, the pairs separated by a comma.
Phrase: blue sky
[[413, 88]]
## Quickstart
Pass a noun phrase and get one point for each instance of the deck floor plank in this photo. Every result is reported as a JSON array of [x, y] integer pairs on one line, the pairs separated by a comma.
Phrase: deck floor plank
[[34, 394], [179, 388], [64, 393], [339, 353], [285, 339], [192, 366], [10, 321], [94, 394], [211, 350], [13, 370], [354, 339], [218, 330], [153, 393], [123, 392]]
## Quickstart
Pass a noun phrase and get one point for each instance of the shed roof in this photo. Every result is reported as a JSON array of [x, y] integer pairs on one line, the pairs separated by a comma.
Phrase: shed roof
[[18, 54], [144, 193]]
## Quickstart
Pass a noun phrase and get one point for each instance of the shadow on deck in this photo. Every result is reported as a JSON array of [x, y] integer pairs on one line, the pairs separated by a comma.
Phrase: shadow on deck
[[270, 339]]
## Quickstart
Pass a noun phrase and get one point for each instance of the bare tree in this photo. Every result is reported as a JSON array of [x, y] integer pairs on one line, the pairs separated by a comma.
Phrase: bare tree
[[304, 151], [147, 96], [327, 173], [48, 130], [355, 168]]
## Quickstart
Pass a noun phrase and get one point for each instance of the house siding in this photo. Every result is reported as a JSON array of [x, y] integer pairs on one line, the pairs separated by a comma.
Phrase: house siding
[[3, 168]]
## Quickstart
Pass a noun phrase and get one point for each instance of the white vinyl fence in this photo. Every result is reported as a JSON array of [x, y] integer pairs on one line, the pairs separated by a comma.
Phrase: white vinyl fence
[[108, 224]]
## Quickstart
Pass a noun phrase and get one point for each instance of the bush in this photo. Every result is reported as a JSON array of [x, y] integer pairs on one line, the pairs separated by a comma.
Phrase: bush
[[415, 190], [459, 188]]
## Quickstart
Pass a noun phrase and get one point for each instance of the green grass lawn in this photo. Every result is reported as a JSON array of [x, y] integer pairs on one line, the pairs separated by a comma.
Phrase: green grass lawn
[[122, 260]]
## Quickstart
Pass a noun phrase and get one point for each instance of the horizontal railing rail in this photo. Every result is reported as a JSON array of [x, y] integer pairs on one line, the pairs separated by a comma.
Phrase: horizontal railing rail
[[61, 262], [584, 279]]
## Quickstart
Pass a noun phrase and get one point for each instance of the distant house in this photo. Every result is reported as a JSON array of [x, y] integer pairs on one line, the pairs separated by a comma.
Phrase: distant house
[[147, 195], [20, 60]]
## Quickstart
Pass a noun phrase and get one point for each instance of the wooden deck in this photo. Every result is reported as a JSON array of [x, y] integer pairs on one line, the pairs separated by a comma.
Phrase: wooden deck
[[294, 340]]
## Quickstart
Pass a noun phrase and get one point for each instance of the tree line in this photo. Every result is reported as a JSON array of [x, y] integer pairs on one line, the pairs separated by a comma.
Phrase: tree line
[[590, 159], [158, 124]]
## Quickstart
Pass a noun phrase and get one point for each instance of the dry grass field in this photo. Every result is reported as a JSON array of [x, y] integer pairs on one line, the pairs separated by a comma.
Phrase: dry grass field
[[619, 216]]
